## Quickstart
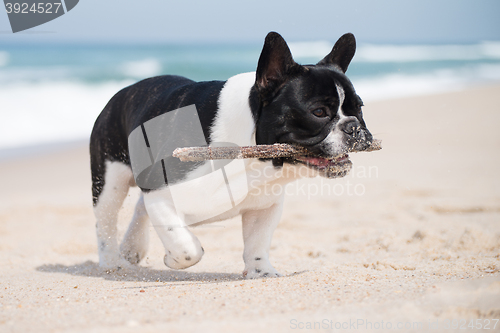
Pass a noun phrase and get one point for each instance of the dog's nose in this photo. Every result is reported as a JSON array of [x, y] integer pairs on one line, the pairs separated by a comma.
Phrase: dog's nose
[[350, 126]]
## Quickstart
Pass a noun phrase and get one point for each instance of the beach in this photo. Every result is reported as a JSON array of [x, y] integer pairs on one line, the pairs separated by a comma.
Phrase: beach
[[409, 240]]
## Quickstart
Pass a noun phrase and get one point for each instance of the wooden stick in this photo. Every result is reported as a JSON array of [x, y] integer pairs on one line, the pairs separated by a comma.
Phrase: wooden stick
[[260, 151]]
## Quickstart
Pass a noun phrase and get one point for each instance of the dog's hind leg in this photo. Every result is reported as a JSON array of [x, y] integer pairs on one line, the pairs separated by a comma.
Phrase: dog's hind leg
[[182, 248], [117, 180], [135, 243]]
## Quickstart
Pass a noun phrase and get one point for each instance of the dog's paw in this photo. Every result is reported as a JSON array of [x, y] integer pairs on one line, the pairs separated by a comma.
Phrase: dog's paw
[[113, 265], [134, 246], [109, 257], [183, 259], [133, 252], [133, 257], [260, 269]]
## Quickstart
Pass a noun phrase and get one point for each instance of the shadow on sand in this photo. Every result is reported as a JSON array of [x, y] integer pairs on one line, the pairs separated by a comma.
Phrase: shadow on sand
[[138, 273], [142, 274]]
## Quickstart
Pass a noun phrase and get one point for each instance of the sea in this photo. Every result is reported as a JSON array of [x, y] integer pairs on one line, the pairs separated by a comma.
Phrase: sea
[[50, 95]]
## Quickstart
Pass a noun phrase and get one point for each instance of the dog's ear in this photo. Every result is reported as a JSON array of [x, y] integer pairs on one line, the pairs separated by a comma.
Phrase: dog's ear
[[275, 62], [342, 53]]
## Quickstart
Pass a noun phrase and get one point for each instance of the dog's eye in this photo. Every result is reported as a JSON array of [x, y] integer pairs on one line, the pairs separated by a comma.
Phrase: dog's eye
[[320, 113]]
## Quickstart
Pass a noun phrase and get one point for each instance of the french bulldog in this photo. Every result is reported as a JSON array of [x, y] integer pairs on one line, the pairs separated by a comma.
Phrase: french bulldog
[[313, 106]]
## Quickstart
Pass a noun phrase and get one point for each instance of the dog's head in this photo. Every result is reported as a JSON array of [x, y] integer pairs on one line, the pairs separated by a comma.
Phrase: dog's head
[[314, 106]]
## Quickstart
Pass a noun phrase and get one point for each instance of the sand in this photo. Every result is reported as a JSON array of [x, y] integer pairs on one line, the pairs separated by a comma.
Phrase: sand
[[410, 239]]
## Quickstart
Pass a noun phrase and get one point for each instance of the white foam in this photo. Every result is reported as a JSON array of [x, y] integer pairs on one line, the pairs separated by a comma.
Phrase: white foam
[[412, 53], [401, 53], [491, 49], [443, 80], [317, 49], [19, 75], [142, 68], [396, 85], [36, 113]]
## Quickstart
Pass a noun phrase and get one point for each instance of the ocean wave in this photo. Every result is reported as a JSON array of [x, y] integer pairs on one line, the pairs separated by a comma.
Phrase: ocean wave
[[51, 111], [142, 68], [317, 49], [439, 81], [413, 53], [132, 70], [36, 113], [13, 75], [402, 53], [45, 100]]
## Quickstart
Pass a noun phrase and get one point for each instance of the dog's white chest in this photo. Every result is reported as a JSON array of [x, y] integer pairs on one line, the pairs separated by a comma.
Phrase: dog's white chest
[[226, 192]]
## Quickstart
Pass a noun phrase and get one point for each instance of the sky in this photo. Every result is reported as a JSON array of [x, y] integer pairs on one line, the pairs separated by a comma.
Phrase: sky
[[230, 21]]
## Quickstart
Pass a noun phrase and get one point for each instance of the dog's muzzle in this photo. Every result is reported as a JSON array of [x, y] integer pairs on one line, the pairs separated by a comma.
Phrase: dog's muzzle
[[358, 137]]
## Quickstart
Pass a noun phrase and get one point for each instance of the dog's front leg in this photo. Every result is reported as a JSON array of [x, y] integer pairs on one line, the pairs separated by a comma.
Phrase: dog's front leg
[[258, 228], [182, 248]]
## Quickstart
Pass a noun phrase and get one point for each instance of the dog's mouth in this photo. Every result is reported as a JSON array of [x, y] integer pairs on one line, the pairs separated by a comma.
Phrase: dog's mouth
[[335, 167]]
